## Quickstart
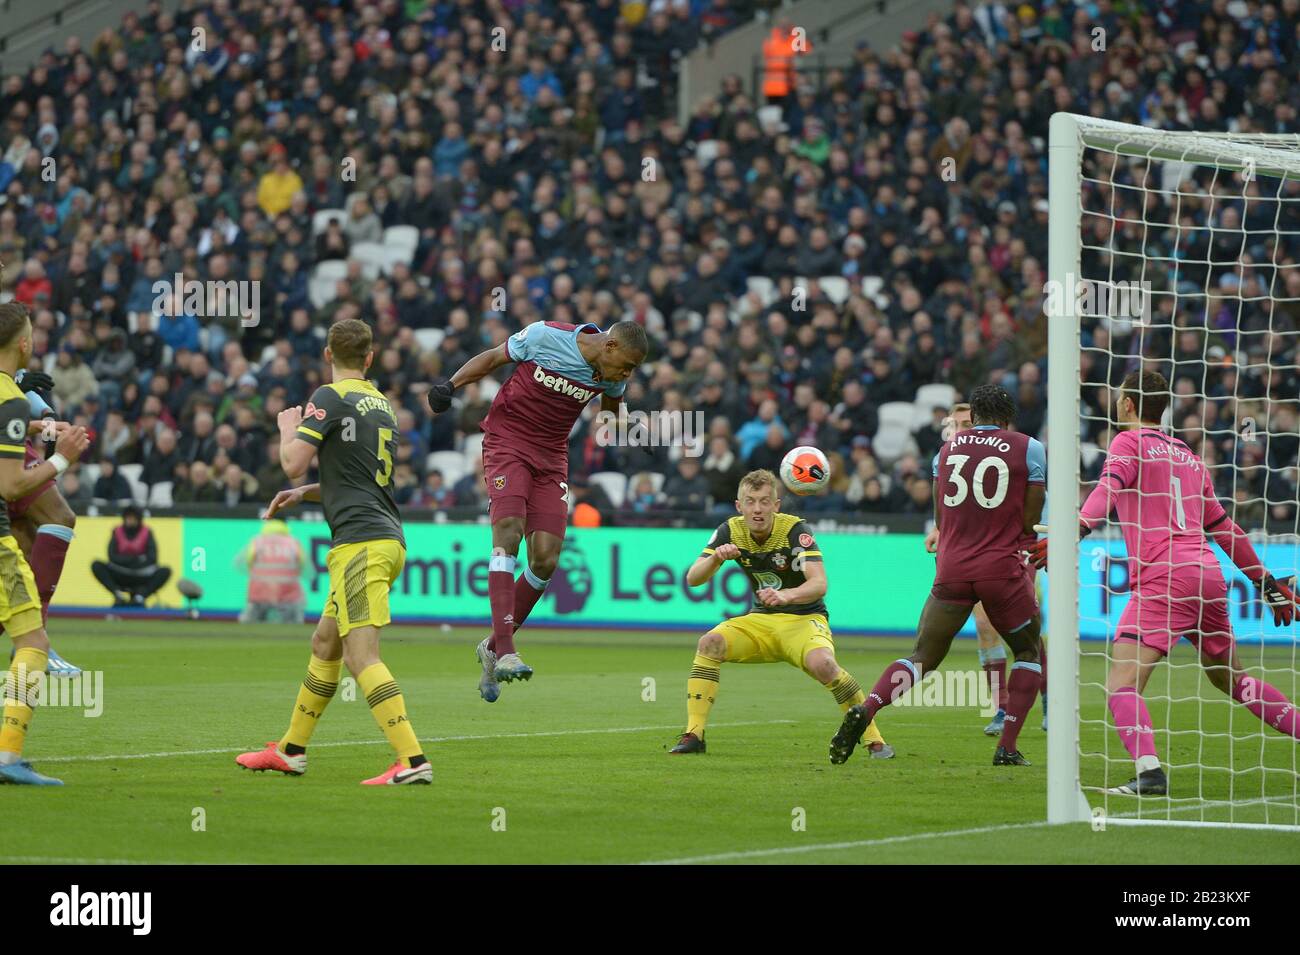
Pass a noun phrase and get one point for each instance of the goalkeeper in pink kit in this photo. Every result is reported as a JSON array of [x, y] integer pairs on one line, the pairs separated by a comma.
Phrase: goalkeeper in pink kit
[[1164, 499]]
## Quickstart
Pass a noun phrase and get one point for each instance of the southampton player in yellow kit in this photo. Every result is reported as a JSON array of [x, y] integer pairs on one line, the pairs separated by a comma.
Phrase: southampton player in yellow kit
[[20, 604], [351, 427], [788, 623]]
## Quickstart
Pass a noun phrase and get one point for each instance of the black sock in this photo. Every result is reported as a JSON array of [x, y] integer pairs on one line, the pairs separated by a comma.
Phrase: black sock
[[418, 761], [293, 749]]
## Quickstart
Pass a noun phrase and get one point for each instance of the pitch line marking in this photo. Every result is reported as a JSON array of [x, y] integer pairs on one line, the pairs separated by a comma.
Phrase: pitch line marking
[[381, 742], [828, 846]]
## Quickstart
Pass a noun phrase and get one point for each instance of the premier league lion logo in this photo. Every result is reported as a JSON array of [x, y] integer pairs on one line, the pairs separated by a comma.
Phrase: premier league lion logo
[[572, 582]]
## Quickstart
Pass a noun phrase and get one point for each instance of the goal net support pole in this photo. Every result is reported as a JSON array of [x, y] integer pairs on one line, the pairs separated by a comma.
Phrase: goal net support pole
[[1065, 799]]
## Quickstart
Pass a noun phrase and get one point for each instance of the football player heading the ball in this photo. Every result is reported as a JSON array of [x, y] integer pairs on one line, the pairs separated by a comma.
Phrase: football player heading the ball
[[779, 555]]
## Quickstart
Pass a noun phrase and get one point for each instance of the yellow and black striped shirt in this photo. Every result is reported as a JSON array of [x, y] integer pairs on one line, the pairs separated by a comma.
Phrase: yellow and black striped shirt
[[777, 562]]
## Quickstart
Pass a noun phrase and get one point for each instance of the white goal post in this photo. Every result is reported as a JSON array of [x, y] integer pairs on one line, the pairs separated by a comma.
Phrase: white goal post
[[1226, 768]]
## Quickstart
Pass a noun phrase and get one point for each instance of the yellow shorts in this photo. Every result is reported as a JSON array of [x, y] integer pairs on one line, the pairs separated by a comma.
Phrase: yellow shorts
[[361, 575], [20, 609], [773, 637]]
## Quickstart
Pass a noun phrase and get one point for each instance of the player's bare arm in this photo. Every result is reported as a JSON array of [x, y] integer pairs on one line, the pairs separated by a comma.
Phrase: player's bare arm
[[812, 589], [478, 367], [291, 497], [706, 566], [17, 481], [295, 453]]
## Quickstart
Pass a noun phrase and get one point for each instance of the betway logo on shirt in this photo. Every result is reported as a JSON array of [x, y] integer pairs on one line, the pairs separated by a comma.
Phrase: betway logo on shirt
[[562, 385]]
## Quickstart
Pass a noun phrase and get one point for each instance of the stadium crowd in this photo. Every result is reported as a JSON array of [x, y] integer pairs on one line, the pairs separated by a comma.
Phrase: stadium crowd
[[534, 147]]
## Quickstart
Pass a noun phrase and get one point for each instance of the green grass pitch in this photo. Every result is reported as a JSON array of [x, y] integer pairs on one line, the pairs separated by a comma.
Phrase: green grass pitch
[[574, 763]]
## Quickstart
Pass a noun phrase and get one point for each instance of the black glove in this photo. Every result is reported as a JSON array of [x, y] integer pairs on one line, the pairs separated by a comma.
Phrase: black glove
[[1279, 596], [440, 396], [36, 381]]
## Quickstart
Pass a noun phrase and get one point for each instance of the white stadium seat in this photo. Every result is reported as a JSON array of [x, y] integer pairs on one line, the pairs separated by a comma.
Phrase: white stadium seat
[[452, 464], [403, 237], [321, 220], [613, 483], [488, 388], [132, 472], [429, 338], [921, 416], [897, 414], [769, 116], [1088, 453], [332, 269], [707, 151], [835, 287], [872, 288], [160, 494], [763, 286], [371, 255], [891, 443], [473, 446], [320, 292], [927, 396]]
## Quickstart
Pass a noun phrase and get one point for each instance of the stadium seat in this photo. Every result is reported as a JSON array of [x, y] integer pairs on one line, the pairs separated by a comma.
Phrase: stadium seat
[[657, 480], [900, 414], [403, 237], [927, 396], [372, 256], [891, 443], [835, 287], [473, 446], [429, 338], [613, 483], [1088, 452], [452, 464], [139, 490], [89, 474], [706, 151], [872, 286], [770, 116], [160, 494], [921, 416], [320, 291], [332, 269], [488, 388], [321, 220], [764, 286]]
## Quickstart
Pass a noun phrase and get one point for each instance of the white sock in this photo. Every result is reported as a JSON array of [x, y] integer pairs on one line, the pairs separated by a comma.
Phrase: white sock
[[1147, 763]]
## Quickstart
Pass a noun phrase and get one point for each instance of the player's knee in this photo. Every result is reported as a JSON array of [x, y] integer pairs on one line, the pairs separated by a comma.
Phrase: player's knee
[[62, 513], [506, 535], [325, 642], [543, 563], [822, 669], [712, 645]]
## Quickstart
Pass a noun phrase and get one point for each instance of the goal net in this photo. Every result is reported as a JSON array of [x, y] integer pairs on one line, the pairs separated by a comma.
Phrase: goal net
[[1177, 252]]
